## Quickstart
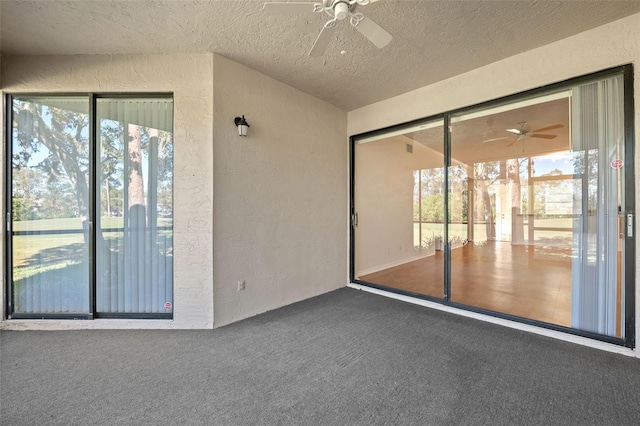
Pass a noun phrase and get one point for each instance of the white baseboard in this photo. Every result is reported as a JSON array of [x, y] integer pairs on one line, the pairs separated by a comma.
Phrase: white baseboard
[[379, 268], [504, 322]]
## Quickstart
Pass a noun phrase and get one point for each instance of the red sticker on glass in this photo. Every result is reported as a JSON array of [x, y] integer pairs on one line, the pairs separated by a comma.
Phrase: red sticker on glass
[[617, 164], [167, 305]]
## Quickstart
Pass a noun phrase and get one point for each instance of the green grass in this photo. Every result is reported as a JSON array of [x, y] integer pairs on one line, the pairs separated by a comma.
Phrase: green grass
[[35, 254], [23, 272], [560, 237], [73, 223], [26, 247]]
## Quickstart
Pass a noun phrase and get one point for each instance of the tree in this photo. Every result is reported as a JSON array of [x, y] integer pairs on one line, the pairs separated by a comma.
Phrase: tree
[[25, 193], [64, 134], [513, 175], [487, 172], [135, 179]]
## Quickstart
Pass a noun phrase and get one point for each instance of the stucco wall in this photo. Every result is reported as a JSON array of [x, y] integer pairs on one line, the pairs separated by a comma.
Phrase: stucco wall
[[280, 211], [189, 78], [604, 47]]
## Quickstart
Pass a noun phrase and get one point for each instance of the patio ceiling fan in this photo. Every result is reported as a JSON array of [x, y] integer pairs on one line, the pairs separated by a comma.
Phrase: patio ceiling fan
[[522, 132], [338, 10]]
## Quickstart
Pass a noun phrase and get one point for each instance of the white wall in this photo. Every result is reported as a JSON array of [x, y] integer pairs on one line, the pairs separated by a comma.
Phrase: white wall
[[189, 78], [614, 44], [384, 197], [280, 211]]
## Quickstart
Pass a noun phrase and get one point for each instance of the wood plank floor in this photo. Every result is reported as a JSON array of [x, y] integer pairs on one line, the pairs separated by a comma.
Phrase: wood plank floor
[[524, 281]]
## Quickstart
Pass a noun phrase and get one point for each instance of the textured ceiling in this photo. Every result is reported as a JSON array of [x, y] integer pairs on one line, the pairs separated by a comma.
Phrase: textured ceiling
[[433, 40]]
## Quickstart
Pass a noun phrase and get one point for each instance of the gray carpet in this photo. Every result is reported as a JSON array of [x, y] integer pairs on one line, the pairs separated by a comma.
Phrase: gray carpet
[[344, 358]]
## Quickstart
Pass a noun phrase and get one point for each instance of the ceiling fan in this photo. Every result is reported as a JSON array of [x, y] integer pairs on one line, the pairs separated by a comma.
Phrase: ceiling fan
[[522, 132], [338, 10]]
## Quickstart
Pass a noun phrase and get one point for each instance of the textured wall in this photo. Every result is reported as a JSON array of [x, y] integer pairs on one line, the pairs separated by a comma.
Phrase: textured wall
[[613, 44], [189, 78], [280, 212]]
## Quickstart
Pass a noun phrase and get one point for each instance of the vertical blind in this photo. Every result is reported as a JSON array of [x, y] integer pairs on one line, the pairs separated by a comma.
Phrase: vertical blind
[[597, 138], [134, 253]]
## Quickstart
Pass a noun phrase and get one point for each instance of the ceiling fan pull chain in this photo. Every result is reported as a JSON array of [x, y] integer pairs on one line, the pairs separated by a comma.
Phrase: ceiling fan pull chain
[[356, 18], [331, 24]]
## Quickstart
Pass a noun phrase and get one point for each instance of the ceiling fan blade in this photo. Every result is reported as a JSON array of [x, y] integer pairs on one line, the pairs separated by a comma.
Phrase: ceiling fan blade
[[374, 32], [536, 135], [544, 129], [516, 132], [322, 41], [281, 7], [495, 139], [513, 141]]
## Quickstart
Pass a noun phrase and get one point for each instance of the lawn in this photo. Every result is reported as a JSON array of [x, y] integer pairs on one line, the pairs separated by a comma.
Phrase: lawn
[[33, 254], [562, 235]]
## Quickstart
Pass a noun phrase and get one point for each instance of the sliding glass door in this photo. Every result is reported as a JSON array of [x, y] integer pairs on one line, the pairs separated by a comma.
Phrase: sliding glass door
[[90, 215], [519, 166], [50, 157], [537, 221], [399, 224], [134, 245]]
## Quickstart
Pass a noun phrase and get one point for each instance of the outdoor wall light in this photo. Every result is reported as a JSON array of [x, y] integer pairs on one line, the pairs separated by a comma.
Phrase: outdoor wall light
[[242, 124]]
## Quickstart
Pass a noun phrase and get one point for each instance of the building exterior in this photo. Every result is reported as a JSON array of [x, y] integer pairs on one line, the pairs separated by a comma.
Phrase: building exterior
[[272, 210]]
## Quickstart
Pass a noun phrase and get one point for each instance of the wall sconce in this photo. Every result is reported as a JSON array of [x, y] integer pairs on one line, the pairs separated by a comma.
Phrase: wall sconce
[[242, 124]]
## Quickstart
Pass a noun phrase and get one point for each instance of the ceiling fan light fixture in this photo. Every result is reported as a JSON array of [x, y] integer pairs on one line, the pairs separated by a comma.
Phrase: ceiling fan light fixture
[[341, 10], [338, 10]]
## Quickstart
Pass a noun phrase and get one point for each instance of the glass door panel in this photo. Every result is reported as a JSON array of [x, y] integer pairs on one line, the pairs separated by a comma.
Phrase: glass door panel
[[134, 247], [49, 205], [399, 198], [598, 234], [542, 204], [517, 259]]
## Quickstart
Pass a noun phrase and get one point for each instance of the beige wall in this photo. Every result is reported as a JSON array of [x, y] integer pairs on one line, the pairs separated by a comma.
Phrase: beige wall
[[277, 199], [611, 45], [384, 197], [384, 236], [280, 211]]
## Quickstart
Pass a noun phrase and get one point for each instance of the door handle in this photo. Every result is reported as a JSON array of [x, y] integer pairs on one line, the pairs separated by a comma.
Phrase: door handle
[[354, 219]]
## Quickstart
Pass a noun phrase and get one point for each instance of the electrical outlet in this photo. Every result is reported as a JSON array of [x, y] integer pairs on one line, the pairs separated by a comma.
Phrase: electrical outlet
[[240, 285]]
